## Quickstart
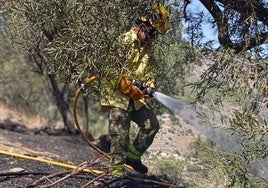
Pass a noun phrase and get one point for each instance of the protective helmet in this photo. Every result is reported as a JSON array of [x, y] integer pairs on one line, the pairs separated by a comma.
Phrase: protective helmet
[[155, 15]]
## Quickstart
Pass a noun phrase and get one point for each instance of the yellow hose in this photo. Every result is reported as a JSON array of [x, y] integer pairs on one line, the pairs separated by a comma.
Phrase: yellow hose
[[55, 163], [77, 94]]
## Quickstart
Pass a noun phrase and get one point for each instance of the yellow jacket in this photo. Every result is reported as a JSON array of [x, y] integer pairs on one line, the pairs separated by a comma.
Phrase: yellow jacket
[[137, 65]]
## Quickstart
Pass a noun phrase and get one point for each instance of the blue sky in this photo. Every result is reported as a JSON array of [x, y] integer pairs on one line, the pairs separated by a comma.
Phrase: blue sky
[[208, 32]]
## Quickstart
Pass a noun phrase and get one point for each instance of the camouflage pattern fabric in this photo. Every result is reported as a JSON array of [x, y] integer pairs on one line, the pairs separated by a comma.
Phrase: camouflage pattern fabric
[[119, 124]]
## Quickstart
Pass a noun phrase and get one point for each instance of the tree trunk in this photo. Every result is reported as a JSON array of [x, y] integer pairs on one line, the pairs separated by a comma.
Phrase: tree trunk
[[52, 88], [62, 105]]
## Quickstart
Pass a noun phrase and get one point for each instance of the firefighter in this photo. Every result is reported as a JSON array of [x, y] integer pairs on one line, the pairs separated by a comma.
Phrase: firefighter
[[124, 93]]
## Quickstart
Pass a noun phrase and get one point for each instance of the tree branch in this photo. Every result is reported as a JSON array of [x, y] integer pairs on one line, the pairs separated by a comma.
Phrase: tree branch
[[221, 21], [252, 7]]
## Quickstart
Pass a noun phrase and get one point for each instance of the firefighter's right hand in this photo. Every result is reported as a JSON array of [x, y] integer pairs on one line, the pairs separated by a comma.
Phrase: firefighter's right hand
[[126, 87]]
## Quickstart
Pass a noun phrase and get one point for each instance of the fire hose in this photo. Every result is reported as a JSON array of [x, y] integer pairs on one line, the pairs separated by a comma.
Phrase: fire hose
[[77, 94]]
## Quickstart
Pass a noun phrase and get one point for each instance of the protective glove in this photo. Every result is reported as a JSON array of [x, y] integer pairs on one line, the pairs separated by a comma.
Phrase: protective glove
[[126, 87]]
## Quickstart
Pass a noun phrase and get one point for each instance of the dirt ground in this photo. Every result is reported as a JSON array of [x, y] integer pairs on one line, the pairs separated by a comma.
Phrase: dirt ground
[[17, 172]]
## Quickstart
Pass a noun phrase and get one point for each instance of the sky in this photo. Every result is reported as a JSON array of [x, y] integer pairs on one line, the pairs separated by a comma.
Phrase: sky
[[208, 32]]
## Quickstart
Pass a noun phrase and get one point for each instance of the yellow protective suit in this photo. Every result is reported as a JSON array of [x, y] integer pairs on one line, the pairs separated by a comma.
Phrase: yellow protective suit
[[138, 65]]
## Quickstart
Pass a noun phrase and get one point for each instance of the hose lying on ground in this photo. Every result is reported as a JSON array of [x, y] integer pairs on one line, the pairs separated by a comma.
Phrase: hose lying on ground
[[55, 163]]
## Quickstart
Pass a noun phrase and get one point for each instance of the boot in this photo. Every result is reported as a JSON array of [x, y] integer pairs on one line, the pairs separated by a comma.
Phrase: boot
[[133, 159], [137, 165]]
